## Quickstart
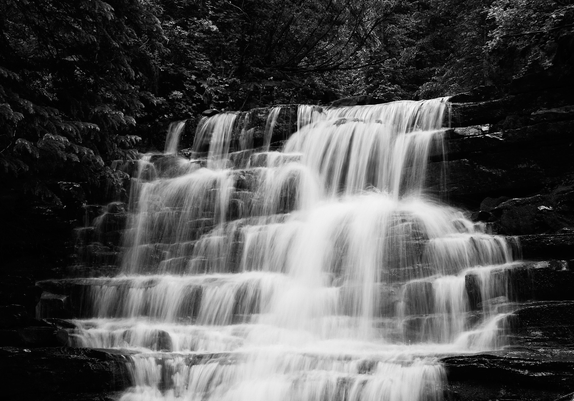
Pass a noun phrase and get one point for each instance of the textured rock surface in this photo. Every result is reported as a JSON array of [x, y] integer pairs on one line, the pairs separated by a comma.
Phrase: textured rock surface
[[510, 376], [61, 373]]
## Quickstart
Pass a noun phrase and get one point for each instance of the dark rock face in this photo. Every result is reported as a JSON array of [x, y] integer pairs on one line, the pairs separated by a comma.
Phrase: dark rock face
[[546, 246], [544, 325], [519, 145], [542, 213], [98, 244], [355, 101], [61, 373], [513, 163], [19, 290], [538, 364], [509, 376]]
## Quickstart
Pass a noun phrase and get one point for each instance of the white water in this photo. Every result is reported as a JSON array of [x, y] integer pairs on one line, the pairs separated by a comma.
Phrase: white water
[[174, 132], [324, 273]]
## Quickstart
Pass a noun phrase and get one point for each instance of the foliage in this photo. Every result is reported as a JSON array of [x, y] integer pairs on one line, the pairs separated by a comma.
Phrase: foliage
[[527, 32], [74, 76]]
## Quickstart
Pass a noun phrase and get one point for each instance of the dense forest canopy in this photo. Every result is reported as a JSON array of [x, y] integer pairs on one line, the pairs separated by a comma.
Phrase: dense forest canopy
[[84, 83]]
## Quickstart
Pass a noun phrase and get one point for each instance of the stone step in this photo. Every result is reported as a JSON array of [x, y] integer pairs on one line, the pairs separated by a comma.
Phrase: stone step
[[525, 281], [510, 375], [544, 246], [544, 325], [78, 296]]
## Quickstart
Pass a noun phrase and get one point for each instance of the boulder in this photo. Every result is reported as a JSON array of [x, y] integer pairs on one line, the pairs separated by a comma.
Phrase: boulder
[[54, 305], [74, 294], [518, 216]]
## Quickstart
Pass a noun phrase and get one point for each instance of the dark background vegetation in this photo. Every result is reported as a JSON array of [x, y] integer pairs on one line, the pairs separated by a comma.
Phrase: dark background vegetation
[[87, 83]]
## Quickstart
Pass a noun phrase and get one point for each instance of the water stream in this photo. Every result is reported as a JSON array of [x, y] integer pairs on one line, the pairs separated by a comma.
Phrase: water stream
[[323, 271]]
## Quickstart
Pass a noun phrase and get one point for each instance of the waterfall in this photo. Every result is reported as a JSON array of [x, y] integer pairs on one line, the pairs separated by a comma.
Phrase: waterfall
[[323, 271], [173, 135]]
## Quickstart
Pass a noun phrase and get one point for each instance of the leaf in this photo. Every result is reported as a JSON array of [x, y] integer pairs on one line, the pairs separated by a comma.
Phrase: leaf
[[57, 139], [40, 190], [128, 141], [12, 165], [6, 73], [24, 145]]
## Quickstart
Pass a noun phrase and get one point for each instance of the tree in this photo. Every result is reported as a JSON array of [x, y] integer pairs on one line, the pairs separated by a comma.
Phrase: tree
[[528, 35], [74, 77]]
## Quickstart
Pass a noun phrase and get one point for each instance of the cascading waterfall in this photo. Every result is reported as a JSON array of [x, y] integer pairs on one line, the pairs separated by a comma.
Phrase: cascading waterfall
[[322, 273], [172, 138]]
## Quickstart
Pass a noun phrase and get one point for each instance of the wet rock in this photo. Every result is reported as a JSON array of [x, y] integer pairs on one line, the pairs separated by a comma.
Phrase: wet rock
[[356, 101], [525, 216], [388, 301], [247, 301], [77, 294], [84, 235], [109, 221], [157, 340], [529, 281], [19, 290], [240, 159], [481, 112], [418, 297], [507, 377], [492, 161], [548, 246], [548, 280], [54, 305], [97, 254], [478, 94], [254, 122], [542, 213], [246, 180], [191, 303], [91, 212], [60, 323], [81, 270], [18, 328], [13, 316], [463, 142], [547, 324], [473, 290], [488, 204], [61, 373], [553, 114], [239, 205], [36, 336], [468, 181], [209, 112], [547, 133], [273, 159]]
